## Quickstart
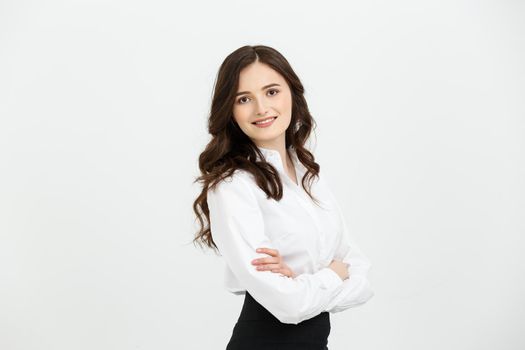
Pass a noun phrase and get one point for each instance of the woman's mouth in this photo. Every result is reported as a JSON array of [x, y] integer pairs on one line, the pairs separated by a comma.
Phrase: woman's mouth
[[265, 123]]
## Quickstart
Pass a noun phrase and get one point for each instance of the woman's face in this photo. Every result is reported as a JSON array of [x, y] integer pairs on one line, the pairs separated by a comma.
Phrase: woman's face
[[263, 93]]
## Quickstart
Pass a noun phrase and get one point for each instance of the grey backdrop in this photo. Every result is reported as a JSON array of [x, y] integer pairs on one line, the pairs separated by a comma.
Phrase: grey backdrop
[[103, 108]]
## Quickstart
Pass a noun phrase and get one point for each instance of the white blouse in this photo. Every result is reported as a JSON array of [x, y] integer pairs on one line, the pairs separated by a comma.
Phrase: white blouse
[[307, 237]]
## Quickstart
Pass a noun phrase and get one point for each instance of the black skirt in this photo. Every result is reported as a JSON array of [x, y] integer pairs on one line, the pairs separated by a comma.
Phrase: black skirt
[[258, 329]]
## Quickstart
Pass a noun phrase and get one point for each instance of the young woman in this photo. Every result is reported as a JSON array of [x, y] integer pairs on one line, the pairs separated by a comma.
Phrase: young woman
[[269, 213]]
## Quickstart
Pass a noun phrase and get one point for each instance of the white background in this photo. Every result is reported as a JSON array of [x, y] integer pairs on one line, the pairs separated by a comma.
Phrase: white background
[[420, 123]]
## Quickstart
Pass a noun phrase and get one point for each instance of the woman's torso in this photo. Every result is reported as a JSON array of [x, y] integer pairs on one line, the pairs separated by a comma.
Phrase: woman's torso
[[305, 234]]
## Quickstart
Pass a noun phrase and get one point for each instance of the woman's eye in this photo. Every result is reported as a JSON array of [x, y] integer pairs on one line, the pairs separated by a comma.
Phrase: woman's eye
[[240, 100]]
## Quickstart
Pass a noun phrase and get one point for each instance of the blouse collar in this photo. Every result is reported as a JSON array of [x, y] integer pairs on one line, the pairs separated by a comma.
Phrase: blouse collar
[[274, 157]]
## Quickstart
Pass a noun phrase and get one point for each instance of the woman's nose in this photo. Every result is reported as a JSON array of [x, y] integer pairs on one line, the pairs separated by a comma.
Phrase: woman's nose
[[261, 108]]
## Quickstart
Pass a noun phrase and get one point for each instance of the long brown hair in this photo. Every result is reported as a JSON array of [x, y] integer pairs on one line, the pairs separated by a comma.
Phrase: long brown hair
[[230, 148]]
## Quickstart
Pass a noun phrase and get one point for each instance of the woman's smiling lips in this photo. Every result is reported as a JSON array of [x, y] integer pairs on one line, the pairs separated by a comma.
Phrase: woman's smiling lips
[[264, 122]]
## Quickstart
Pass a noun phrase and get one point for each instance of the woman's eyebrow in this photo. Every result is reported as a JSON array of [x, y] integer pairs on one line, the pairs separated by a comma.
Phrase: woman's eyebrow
[[264, 87]]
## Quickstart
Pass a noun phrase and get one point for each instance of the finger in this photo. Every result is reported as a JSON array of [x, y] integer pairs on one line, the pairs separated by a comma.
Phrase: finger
[[271, 260], [268, 267], [272, 252]]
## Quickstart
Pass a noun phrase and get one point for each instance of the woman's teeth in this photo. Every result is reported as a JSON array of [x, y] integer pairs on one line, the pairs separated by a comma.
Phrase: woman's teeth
[[266, 121]]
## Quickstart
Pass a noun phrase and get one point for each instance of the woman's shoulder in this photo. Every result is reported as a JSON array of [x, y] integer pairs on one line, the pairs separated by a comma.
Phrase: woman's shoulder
[[234, 191], [238, 180]]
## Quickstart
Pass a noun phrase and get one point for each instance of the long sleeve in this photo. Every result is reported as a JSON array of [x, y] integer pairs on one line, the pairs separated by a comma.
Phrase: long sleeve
[[357, 289], [237, 228]]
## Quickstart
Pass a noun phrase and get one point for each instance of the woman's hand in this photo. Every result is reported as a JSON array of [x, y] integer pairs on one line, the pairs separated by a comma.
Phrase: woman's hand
[[340, 268], [274, 264]]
